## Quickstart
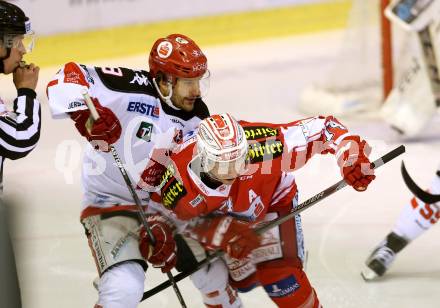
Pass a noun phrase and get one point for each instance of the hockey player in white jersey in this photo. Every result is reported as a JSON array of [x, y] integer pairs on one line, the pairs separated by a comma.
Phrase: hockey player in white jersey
[[408, 109], [417, 217], [138, 110]]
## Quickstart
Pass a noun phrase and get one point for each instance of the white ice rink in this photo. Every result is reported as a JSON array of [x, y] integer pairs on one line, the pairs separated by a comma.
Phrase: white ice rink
[[253, 81]]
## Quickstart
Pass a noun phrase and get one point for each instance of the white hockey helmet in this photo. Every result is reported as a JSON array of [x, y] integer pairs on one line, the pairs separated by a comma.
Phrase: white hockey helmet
[[221, 140]]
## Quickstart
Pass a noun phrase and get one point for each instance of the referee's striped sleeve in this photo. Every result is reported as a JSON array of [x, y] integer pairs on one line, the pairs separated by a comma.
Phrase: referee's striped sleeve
[[20, 131]]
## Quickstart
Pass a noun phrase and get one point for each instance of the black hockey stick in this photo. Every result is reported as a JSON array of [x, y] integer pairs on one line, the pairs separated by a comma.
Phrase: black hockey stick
[[259, 230], [95, 116], [416, 190]]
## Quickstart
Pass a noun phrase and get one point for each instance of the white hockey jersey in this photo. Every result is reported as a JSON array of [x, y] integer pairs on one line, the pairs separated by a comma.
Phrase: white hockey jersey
[[146, 123]]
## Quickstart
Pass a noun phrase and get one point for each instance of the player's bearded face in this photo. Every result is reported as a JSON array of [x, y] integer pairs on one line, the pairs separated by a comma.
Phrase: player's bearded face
[[187, 90]]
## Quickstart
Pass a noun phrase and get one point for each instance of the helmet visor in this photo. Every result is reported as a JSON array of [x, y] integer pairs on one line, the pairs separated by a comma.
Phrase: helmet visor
[[229, 170], [22, 42], [194, 87]]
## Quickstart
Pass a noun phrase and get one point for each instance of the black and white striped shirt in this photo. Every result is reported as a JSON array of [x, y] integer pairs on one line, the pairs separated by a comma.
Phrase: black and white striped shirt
[[20, 129]]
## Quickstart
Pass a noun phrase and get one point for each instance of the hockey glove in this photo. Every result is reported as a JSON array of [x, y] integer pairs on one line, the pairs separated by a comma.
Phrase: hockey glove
[[163, 253], [235, 237], [103, 132], [152, 175], [355, 165]]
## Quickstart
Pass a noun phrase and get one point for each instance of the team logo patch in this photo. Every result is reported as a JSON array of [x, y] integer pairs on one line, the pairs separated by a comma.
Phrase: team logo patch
[[266, 150], [257, 132], [164, 49], [178, 137], [283, 287], [145, 131]]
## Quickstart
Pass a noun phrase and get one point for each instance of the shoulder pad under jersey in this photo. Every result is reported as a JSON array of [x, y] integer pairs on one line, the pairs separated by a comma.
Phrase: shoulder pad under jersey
[[121, 79]]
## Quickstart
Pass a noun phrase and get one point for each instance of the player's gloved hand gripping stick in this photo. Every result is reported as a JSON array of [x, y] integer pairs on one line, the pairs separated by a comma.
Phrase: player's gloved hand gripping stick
[[94, 116], [263, 228]]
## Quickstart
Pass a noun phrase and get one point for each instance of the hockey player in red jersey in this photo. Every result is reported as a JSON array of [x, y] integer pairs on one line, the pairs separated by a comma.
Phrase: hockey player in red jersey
[[233, 175], [139, 111]]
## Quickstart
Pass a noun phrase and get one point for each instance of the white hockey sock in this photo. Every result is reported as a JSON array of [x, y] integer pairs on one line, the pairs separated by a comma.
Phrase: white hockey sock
[[417, 216]]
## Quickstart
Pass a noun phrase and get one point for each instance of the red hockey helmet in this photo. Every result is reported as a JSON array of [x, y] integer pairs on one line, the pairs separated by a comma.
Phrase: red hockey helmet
[[221, 141], [178, 56]]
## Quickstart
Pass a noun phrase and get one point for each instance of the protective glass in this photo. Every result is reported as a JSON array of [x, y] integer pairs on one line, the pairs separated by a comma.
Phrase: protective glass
[[22, 42], [190, 87], [228, 170]]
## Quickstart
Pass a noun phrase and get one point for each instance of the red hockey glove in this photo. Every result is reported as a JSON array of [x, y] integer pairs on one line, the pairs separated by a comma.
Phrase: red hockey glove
[[355, 165], [163, 253], [104, 131], [152, 175], [235, 237]]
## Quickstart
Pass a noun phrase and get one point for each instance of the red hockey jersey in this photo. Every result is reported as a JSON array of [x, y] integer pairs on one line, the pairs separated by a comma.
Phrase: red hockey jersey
[[275, 150]]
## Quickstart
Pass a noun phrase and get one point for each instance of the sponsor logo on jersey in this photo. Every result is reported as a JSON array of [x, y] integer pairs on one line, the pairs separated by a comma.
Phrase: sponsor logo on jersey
[[173, 193], [140, 79], [168, 174], [283, 287], [144, 108], [266, 150], [145, 131], [75, 105], [74, 77], [257, 132], [177, 121], [197, 200]]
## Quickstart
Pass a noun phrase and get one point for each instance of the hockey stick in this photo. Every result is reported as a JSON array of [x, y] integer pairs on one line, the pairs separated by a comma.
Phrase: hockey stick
[[298, 209], [95, 116], [416, 190]]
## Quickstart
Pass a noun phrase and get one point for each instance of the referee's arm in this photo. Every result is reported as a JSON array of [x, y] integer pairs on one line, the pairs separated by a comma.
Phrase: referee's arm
[[20, 130]]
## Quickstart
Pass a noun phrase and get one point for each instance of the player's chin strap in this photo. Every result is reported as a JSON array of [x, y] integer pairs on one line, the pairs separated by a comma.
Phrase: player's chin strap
[[166, 99], [416, 190], [276, 222]]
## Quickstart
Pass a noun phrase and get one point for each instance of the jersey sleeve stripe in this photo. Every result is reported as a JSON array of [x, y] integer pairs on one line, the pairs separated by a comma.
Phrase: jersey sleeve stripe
[[22, 131]]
